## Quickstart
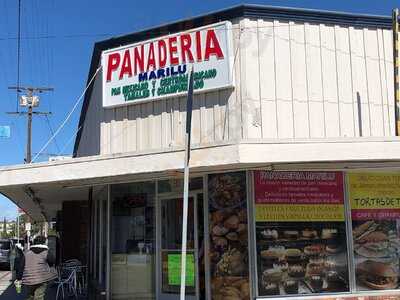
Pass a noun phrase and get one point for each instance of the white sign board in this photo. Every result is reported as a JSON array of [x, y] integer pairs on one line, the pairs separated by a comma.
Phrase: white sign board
[[159, 68]]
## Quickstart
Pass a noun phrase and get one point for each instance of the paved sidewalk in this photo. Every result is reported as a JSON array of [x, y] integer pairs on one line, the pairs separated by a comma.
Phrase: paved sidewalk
[[5, 277], [7, 289], [11, 294]]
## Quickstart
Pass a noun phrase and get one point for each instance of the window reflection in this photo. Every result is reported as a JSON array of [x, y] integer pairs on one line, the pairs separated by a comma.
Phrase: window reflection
[[133, 240]]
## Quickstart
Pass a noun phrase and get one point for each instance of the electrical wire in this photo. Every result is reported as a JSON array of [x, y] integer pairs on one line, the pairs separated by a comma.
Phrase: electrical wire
[[65, 36], [247, 29], [10, 47], [47, 47], [69, 141], [51, 131], [68, 116], [18, 52], [166, 32], [6, 78], [30, 66]]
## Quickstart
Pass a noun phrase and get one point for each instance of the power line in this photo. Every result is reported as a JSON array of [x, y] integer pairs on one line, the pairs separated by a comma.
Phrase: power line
[[42, 37], [30, 101], [6, 76], [247, 29], [68, 116], [163, 32], [18, 50], [69, 140], [52, 132]]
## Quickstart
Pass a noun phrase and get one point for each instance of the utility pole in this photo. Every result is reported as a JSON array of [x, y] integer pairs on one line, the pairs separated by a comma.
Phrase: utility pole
[[18, 224], [30, 101]]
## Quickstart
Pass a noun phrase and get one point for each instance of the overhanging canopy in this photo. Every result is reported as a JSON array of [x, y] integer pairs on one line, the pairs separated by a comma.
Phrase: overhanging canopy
[[40, 188]]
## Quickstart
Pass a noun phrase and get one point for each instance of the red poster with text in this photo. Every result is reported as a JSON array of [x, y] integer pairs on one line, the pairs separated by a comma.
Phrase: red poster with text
[[298, 187]]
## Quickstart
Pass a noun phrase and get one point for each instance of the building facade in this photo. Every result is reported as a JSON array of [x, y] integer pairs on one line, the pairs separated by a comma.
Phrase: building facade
[[294, 187], [7, 227]]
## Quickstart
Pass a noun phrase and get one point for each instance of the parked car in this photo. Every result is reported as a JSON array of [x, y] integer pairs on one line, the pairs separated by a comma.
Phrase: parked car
[[5, 249]]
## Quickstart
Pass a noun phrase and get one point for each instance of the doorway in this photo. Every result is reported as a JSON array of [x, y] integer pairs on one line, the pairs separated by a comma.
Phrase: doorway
[[170, 242]]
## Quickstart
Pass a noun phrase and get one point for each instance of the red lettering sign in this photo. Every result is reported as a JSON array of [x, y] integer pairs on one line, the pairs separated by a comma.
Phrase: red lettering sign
[[186, 43], [126, 65], [162, 53], [151, 62], [173, 49], [139, 59], [112, 64], [176, 50], [212, 46]]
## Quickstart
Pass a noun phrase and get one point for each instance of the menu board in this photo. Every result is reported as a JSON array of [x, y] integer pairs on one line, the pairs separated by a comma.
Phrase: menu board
[[174, 269], [228, 229], [300, 233], [375, 210]]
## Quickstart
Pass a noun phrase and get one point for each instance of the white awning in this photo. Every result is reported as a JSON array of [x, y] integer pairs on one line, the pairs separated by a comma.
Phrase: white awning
[[40, 188]]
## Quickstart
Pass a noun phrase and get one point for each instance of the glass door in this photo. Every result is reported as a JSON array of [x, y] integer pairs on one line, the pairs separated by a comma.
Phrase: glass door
[[171, 243]]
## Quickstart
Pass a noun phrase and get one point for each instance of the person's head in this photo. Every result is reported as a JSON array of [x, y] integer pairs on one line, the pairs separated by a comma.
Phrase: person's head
[[39, 240]]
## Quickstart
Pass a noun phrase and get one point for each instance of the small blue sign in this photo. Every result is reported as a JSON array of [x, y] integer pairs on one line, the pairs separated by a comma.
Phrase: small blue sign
[[5, 132]]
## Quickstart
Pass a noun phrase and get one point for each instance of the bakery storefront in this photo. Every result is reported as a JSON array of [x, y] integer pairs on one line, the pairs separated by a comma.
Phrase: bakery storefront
[[255, 234], [295, 163]]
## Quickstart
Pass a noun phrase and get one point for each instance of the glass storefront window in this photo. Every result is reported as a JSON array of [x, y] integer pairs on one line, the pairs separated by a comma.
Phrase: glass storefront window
[[300, 233], [375, 211], [170, 193], [228, 227], [133, 240], [171, 244], [301, 229], [99, 227]]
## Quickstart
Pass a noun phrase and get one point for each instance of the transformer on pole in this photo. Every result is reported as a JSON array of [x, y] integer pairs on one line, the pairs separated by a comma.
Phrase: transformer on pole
[[30, 101]]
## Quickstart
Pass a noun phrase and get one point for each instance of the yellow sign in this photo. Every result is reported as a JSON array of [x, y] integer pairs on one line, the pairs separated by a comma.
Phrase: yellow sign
[[299, 213], [374, 190]]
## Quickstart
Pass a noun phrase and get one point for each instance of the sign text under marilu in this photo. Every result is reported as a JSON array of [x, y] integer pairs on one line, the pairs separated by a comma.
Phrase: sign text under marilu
[[298, 196], [160, 67], [374, 196]]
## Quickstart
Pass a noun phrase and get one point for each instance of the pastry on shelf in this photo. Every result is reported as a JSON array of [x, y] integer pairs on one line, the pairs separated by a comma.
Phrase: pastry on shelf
[[293, 255], [291, 234], [329, 233], [296, 271], [271, 288], [291, 287], [269, 234], [272, 275], [309, 233]]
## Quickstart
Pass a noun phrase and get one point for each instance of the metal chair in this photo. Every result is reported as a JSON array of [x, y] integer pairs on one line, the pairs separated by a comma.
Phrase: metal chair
[[66, 281], [80, 279]]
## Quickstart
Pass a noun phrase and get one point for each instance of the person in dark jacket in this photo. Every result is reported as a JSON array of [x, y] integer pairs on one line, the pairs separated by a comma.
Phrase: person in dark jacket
[[34, 268], [15, 258]]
